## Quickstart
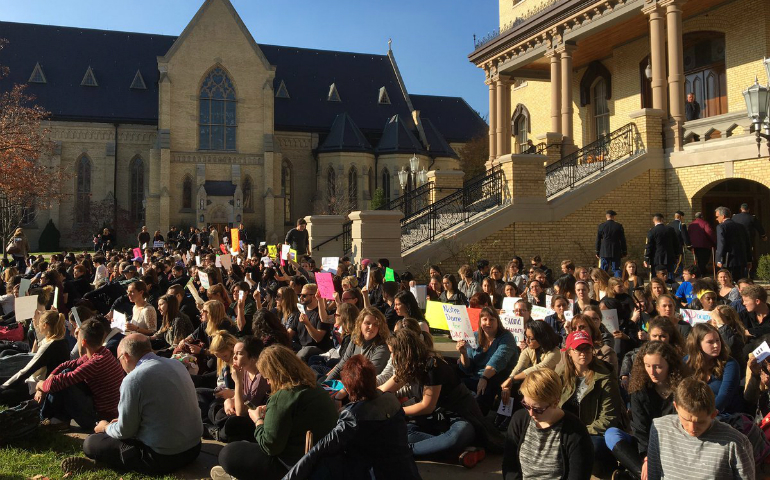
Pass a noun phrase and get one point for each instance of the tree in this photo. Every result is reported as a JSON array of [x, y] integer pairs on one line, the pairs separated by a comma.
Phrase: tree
[[378, 199], [474, 154], [335, 200], [26, 185], [101, 215]]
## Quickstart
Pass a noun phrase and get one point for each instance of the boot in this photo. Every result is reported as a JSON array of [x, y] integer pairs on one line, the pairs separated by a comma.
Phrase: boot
[[628, 456]]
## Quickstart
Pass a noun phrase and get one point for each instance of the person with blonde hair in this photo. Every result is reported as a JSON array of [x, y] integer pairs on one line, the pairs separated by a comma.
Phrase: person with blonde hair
[[211, 400], [18, 248], [369, 338], [52, 351], [213, 319], [544, 441], [297, 404]]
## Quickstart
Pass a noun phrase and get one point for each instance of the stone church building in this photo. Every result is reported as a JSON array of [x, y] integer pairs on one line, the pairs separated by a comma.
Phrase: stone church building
[[211, 128]]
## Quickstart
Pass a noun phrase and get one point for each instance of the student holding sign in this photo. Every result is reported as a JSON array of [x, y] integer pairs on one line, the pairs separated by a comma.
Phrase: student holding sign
[[488, 365], [710, 361]]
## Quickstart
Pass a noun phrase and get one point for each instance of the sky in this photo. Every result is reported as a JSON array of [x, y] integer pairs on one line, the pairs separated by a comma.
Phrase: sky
[[431, 38]]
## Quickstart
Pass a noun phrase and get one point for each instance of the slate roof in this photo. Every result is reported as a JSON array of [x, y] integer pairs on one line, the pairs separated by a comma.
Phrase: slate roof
[[65, 53], [397, 137], [437, 146], [345, 136], [219, 188]]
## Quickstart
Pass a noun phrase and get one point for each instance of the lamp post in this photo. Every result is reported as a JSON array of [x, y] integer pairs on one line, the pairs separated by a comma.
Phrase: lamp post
[[418, 178], [757, 99]]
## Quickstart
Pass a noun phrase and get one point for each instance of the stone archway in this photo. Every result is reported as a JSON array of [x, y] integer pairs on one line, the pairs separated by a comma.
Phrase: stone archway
[[731, 193]]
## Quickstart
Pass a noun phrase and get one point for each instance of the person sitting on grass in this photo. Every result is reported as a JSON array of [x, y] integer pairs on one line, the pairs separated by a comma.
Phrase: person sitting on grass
[[693, 444], [158, 428], [85, 390]]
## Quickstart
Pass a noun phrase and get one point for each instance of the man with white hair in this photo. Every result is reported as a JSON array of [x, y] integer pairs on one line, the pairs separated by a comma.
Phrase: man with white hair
[[158, 429]]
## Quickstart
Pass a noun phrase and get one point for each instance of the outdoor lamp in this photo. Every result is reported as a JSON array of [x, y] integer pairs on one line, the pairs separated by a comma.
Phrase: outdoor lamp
[[422, 176], [766, 61], [402, 175], [758, 104], [648, 71], [414, 163]]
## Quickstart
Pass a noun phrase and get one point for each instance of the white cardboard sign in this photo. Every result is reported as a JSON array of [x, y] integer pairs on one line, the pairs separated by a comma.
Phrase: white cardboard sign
[[513, 324], [118, 320], [610, 320], [226, 261], [24, 307], [762, 352], [539, 313], [204, 278], [285, 251], [694, 317], [509, 303], [420, 292], [24, 286], [330, 264], [459, 323]]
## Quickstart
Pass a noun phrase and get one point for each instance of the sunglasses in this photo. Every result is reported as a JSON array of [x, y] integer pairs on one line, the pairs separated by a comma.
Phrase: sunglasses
[[303, 295], [535, 410]]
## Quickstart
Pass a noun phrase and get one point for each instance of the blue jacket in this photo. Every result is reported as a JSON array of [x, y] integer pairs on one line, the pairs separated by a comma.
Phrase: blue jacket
[[501, 355]]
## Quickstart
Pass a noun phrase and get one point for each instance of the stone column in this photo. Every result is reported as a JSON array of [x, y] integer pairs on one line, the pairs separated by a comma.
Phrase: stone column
[[553, 146], [321, 228], [492, 119], [650, 127], [506, 115], [444, 183], [565, 55], [377, 234], [524, 177], [675, 66], [555, 91], [500, 120], [657, 57]]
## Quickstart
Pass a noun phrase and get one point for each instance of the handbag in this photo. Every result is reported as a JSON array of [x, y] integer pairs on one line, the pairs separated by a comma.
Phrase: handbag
[[13, 248]]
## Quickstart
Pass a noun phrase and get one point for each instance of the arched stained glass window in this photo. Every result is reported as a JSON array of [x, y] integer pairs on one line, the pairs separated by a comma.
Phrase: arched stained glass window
[[353, 188], [287, 189], [217, 121], [187, 192], [137, 189], [83, 190]]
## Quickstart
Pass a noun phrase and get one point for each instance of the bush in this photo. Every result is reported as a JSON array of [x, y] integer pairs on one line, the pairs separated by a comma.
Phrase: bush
[[763, 268], [49, 238], [378, 199]]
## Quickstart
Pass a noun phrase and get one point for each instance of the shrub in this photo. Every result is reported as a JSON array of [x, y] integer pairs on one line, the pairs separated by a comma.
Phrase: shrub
[[378, 199], [763, 268], [49, 238]]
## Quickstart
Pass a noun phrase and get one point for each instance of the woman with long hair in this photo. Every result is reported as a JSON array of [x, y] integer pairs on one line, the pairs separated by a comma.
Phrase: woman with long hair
[[732, 330], [513, 274], [709, 360], [451, 293], [535, 293], [489, 286], [601, 351], [590, 390], [656, 288], [268, 329], [631, 278], [542, 352], [286, 308], [406, 306], [488, 365], [462, 422], [557, 320], [175, 327], [211, 400], [727, 287], [369, 338], [600, 279], [660, 330], [657, 370], [296, 404]]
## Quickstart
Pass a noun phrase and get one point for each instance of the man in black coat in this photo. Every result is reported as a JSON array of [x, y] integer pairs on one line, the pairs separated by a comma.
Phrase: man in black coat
[[683, 240], [661, 246], [733, 246], [753, 226], [611, 244]]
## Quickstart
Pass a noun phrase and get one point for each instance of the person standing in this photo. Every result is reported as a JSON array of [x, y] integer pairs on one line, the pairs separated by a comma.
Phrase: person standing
[[661, 245], [144, 238], [691, 108], [683, 240], [213, 238], [298, 238], [611, 244], [703, 241], [733, 246], [18, 248], [752, 225]]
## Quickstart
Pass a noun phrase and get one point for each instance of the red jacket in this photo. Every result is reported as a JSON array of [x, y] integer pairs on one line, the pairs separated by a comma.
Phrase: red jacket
[[701, 234]]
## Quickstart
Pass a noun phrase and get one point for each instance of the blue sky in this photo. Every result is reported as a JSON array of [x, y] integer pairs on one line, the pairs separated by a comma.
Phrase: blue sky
[[431, 38]]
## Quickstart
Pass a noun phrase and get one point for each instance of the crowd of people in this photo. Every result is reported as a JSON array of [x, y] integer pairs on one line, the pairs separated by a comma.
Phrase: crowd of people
[[152, 353]]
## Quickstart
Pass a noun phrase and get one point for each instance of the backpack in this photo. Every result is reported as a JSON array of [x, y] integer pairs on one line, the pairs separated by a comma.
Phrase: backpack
[[19, 421], [12, 333]]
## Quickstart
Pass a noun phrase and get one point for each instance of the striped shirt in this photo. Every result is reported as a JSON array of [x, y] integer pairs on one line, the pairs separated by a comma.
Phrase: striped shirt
[[101, 373], [540, 453], [721, 453]]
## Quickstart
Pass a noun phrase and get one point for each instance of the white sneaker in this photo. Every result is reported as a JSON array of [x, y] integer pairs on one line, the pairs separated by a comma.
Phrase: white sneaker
[[218, 473]]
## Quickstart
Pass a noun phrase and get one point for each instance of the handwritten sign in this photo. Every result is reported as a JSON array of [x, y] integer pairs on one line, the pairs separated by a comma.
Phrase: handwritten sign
[[285, 251], [194, 293], [301, 309], [235, 236], [509, 303], [762, 352], [24, 307], [506, 409], [694, 317], [138, 253], [459, 324], [513, 324], [24, 287], [158, 244], [272, 251], [218, 261], [390, 275], [198, 260], [204, 278], [568, 315], [420, 293], [292, 254], [226, 261], [548, 300], [330, 264], [610, 320], [539, 313], [325, 285], [118, 320]]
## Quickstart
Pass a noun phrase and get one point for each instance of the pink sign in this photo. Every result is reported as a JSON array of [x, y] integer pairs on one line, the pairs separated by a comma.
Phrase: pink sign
[[137, 253], [325, 285]]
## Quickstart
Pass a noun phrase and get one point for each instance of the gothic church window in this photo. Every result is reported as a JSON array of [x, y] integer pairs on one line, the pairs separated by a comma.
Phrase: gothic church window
[[136, 189], [386, 184], [83, 190], [187, 193], [331, 184], [217, 112], [287, 189], [353, 188], [248, 195], [383, 98]]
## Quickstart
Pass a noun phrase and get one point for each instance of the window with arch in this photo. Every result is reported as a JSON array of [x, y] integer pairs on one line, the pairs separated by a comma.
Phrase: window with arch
[[83, 190], [331, 184], [248, 194], [187, 192], [386, 183], [216, 123], [287, 189], [136, 189], [521, 127], [370, 181], [601, 109], [353, 188], [705, 73]]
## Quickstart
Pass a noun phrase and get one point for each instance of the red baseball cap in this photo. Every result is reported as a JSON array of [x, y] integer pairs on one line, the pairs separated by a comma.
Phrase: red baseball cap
[[576, 339]]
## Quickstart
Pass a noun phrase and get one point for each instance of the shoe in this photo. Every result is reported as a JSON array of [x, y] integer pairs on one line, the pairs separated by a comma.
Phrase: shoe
[[218, 473], [77, 464], [54, 424], [471, 456]]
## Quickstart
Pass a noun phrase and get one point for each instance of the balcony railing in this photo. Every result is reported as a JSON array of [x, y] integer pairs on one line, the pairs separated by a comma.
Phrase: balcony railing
[[412, 201], [718, 126], [480, 42]]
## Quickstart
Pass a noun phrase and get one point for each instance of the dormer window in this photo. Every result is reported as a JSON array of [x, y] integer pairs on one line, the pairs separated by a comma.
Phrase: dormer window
[[334, 95], [383, 98], [282, 91], [138, 82], [37, 75], [89, 80]]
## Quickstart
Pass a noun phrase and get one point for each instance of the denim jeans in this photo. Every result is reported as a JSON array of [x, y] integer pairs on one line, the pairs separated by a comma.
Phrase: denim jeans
[[73, 403], [615, 435], [611, 265], [459, 436]]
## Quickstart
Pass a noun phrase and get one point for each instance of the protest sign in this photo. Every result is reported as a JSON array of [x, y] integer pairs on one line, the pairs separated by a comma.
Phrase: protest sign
[[204, 278], [539, 313], [473, 316], [272, 251], [568, 315], [144, 246], [459, 324], [420, 293], [762, 352], [506, 409], [76, 316], [285, 251], [226, 261], [24, 286], [138, 253], [55, 297], [434, 314], [194, 293], [250, 252], [158, 244], [118, 320], [694, 317], [325, 283], [548, 299], [193, 247], [198, 260], [292, 254], [390, 275], [610, 320], [368, 276], [301, 309], [24, 307], [509, 302], [330, 264], [235, 239], [513, 324]]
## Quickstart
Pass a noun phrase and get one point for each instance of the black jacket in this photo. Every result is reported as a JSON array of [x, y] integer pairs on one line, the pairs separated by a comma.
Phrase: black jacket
[[577, 450], [50, 357], [750, 222], [681, 235], [369, 441], [647, 405], [611, 240], [733, 247], [662, 246]]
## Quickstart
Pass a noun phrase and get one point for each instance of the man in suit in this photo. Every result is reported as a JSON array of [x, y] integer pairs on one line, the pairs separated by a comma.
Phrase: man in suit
[[611, 244], [683, 240], [703, 242], [661, 247], [733, 246], [753, 226]]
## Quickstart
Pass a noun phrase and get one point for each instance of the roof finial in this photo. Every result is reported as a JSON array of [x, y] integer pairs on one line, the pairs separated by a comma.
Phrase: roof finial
[[390, 42]]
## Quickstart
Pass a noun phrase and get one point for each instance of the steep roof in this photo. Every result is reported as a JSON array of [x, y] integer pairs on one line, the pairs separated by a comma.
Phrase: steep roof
[[397, 137], [437, 146], [65, 53], [345, 136]]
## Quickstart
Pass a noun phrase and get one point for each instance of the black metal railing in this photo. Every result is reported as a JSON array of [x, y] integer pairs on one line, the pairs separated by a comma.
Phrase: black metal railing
[[346, 236], [594, 157], [412, 201], [476, 196]]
